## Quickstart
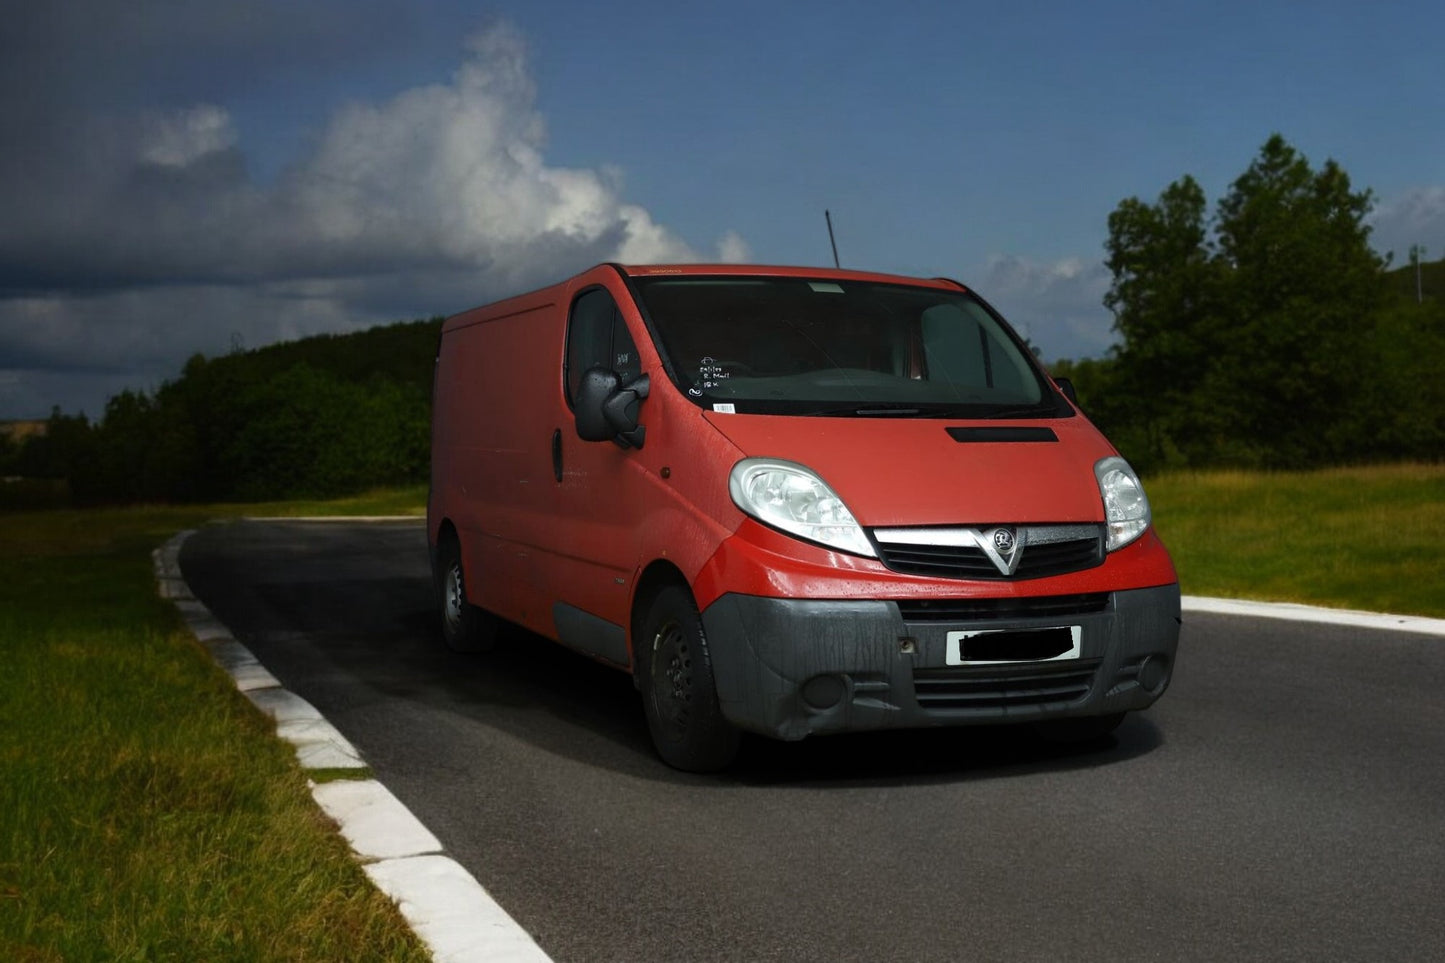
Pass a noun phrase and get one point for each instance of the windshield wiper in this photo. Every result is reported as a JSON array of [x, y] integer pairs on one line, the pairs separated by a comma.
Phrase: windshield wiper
[[887, 409], [1022, 411], [1040, 409]]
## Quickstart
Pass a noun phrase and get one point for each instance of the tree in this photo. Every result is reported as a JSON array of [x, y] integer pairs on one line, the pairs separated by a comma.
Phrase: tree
[[1240, 336], [144, 452], [1163, 298], [1399, 411], [1304, 289], [66, 448], [9, 454]]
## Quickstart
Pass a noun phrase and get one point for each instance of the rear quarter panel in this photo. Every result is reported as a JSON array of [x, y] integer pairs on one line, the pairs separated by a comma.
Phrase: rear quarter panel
[[495, 407]]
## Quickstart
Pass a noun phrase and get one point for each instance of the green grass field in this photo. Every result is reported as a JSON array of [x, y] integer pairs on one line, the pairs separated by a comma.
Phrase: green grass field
[[1360, 538], [147, 811]]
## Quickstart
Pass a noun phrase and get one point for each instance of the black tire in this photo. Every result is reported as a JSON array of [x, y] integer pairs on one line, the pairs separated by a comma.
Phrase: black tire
[[1078, 730], [465, 628], [679, 693]]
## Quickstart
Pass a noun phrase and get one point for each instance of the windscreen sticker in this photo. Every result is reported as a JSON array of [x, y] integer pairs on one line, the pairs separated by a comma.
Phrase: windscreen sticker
[[725, 408], [710, 372], [826, 287]]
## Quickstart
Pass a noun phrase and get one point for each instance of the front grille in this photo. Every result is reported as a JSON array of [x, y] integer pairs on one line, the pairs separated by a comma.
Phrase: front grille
[[981, 610], [1040, 561], [943, 561], [953, 553], [1003, 687]]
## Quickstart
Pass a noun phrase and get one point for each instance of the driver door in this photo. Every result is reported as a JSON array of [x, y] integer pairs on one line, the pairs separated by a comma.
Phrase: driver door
[[599, 492]]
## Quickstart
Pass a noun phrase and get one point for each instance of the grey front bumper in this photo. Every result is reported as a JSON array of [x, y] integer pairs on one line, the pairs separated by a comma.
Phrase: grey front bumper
[[788, 668]]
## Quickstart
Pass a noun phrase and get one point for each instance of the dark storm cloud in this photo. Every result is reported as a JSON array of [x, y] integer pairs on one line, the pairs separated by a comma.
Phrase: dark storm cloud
[[133, 231], [86, 202]]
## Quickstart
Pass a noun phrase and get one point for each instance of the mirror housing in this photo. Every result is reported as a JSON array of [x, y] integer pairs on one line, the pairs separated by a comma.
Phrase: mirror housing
[[598, 384], [607, 410], [1066, 385]]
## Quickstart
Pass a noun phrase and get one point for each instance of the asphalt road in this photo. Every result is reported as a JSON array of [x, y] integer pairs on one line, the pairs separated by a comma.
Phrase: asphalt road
[[1285, 800]]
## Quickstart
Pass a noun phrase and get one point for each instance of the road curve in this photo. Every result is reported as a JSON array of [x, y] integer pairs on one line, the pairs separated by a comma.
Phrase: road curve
[[1285, 800]]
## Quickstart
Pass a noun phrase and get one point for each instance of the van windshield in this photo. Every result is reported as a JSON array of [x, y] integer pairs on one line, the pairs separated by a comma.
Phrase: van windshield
[[770, 345]]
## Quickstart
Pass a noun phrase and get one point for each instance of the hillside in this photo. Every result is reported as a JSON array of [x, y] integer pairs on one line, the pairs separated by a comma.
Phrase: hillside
[[316, 417], [401, 353], [1401, 280]]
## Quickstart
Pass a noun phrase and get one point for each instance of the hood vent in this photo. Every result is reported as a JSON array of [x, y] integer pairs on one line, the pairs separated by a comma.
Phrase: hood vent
[[1002, 434]]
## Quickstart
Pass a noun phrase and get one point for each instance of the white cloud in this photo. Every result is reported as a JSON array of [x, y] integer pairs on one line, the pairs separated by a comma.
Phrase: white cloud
[[456, 173], [181, 137], [732, 249], [1059, 306], [1415, 217]]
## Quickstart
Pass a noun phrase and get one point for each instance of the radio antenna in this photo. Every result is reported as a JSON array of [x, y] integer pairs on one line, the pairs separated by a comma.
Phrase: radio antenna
[[829, 218]]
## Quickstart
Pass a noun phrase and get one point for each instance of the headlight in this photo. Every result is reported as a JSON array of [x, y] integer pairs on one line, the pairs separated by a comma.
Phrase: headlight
[[788, 496], [1126, 507]]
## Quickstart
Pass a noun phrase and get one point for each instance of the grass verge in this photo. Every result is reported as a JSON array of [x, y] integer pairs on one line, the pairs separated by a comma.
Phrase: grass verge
[[1360, 538], [147, 812]]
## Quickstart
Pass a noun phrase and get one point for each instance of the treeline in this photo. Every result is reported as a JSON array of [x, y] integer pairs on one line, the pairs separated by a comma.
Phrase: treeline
[[1394, 409], [1268, 334], [322, 416]]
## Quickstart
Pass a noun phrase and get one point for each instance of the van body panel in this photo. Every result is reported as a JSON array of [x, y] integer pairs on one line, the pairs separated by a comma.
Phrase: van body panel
[[599, 503], [687, 514], [590, 635], [594, 547], [627, 508], [786, 271], [909, 471], [490, 478]]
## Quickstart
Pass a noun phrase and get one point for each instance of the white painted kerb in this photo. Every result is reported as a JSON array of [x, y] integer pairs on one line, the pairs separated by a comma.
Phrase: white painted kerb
[[443, 903], [1314, 613]]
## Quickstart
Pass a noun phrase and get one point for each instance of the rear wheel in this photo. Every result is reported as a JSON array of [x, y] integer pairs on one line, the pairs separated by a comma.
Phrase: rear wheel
[[465, 628], [679, 692]]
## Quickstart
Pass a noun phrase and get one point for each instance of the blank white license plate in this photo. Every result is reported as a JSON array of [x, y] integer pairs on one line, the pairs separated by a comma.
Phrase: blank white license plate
[[1001, 646]]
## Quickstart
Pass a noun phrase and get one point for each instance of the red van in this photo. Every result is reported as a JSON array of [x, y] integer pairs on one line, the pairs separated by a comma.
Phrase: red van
[[793, 501]]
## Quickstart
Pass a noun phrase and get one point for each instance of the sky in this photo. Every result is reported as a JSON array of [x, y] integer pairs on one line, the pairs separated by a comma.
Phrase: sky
[[184, 177]]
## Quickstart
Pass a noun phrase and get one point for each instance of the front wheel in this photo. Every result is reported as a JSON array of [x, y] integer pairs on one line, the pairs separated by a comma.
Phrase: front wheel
[[465, 628], [679, 693]]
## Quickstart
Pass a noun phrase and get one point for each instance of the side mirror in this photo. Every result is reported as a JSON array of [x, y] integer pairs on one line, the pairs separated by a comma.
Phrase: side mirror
[[1067, 387], [607, 411], [598, 384]]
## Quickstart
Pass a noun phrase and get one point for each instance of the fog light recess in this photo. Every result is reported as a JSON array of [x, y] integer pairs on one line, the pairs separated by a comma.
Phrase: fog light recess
[[1153, 673], [824, 691]]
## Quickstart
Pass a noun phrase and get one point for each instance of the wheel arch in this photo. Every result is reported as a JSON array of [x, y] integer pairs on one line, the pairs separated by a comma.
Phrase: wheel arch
[[446, 535], [659, 574]]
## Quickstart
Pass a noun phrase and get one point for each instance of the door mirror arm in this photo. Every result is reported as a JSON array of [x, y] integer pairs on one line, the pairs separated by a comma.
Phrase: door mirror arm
[[621, 409]]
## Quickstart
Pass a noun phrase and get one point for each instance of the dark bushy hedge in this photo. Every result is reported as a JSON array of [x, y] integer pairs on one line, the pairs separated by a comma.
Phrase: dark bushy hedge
[[324, 416]]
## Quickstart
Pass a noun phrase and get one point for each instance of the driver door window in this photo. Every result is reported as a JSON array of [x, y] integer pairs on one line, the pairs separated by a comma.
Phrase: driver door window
[[597, 336]]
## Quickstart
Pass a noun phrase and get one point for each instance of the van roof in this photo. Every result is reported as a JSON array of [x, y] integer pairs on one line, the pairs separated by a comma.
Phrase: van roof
[[775, 270], [526, 301]]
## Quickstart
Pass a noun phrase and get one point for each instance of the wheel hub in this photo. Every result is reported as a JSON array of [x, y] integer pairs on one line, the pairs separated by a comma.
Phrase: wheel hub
[[454, 598], [672, 681]]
